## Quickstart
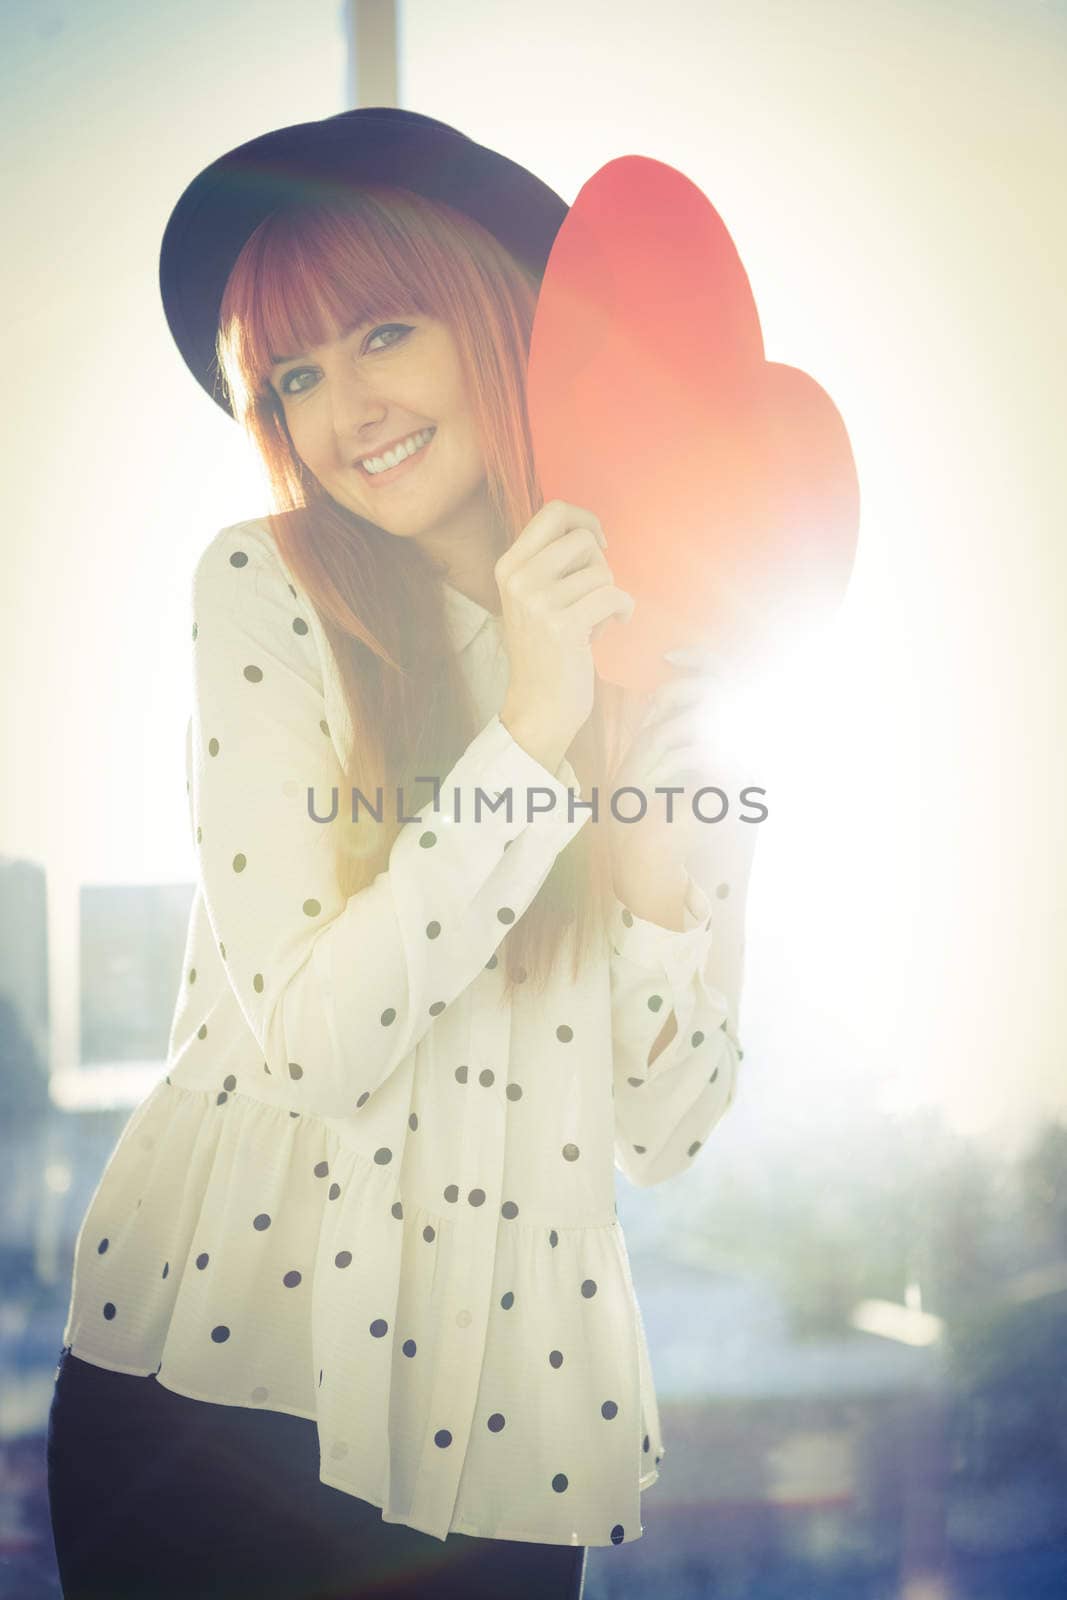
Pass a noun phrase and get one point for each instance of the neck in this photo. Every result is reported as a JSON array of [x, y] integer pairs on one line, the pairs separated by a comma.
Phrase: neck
[[466, 556], [484, 592]]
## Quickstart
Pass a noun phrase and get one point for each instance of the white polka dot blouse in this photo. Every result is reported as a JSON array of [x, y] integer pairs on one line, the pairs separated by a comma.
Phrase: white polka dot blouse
[[366, 1191]]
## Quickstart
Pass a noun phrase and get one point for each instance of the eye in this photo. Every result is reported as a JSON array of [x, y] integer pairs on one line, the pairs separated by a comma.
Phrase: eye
[[399, 328], [286, 387]]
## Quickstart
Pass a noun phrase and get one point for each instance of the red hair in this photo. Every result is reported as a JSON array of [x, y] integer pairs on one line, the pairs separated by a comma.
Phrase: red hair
[[306, 271]]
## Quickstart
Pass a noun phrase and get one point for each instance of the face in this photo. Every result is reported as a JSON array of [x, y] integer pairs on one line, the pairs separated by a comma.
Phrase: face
[[388, 387]]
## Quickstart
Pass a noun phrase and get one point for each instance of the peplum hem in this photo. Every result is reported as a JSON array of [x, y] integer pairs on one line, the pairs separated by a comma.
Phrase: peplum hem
[[246, 1257]]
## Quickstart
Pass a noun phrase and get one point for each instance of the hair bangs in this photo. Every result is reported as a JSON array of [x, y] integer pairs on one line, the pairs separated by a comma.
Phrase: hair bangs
[[313, 271]]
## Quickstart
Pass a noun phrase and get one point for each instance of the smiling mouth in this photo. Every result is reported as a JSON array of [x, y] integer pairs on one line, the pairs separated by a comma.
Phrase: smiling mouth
[[379, 473]]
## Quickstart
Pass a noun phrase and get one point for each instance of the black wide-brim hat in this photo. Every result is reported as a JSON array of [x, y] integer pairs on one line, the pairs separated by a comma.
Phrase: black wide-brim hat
[[226, 202]]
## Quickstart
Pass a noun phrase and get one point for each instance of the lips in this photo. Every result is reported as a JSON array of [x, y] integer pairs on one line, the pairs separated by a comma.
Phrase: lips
[[389, 473]]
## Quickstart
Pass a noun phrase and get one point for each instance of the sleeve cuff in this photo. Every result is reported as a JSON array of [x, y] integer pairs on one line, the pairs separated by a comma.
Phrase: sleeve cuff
[[495, 763], [676, 952]]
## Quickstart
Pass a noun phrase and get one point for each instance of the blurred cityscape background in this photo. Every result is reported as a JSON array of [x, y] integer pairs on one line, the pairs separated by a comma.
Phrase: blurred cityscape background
[[856, 1300]]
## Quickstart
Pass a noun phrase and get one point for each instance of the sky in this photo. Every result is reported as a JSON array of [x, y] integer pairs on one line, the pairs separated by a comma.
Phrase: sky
[[892, 175]]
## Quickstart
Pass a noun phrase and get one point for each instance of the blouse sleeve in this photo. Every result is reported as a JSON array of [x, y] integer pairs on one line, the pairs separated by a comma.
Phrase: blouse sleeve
[[665, 1112], [338, 991]]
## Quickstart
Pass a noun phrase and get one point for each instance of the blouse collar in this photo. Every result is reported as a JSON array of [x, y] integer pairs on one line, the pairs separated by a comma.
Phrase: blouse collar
[[464, 617]]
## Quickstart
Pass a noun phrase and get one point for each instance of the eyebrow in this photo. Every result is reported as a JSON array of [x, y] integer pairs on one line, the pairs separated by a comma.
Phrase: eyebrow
[[279, 361]]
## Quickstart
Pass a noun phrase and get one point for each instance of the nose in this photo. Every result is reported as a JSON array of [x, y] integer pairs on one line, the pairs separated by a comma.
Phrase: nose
[[357, 410]]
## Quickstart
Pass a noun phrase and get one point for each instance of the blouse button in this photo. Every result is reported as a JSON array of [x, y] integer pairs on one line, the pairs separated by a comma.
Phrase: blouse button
[[463, 1318]]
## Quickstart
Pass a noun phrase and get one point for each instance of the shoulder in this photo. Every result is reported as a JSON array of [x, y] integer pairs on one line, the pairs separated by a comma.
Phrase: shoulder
[[236, 558], [242, 569], [244, 596]]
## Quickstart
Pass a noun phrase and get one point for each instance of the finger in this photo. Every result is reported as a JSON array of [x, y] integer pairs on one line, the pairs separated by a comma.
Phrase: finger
[[661, 743], [688, 761], [698, 663], [617, 616], [555, 517], [659, 740], [574, 551], [606, 601], [678, 694]]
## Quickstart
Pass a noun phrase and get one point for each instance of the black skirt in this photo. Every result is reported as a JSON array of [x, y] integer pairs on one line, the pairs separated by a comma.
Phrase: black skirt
[[155, 1496]]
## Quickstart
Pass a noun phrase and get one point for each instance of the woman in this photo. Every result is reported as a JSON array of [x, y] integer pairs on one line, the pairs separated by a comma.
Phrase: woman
[[351, 1310]]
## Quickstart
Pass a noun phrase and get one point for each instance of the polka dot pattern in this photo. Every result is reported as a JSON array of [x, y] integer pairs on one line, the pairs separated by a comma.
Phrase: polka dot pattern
[[393, 1133]]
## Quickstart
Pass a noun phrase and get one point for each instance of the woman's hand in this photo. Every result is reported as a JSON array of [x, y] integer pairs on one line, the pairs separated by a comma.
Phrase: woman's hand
[[671, 746], [557, 589]]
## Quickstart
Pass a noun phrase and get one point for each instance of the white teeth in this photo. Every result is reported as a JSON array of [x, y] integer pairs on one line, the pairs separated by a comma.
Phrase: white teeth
[[399, 453]]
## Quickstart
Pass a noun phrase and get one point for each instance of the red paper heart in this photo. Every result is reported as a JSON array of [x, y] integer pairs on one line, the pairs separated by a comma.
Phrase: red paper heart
[[725, 483]]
